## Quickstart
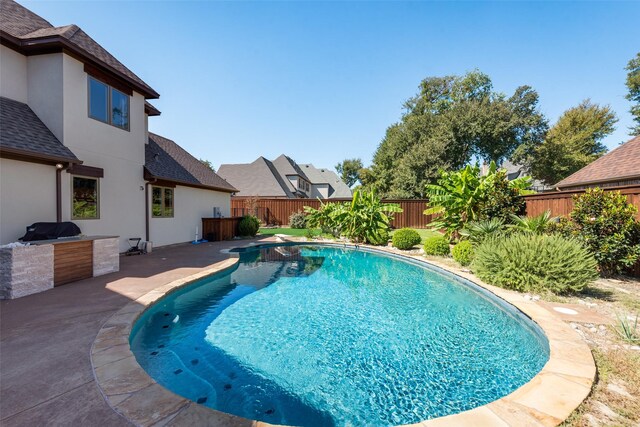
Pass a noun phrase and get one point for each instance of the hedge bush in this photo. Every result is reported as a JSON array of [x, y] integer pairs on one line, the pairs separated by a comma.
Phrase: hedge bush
[[535, 263], [605, 223], [405, 238], [463, 252], [298, 220], [248, 226], [437, 245]]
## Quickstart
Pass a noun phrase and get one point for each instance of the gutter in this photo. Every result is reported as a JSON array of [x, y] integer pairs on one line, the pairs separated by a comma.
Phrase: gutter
[[147, 213], [59, 168]]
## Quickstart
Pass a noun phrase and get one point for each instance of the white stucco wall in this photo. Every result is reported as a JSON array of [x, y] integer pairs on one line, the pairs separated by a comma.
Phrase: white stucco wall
[[319, 190], [13, 74], [191, 205], [119, 152], [45, 90], [27, 195]]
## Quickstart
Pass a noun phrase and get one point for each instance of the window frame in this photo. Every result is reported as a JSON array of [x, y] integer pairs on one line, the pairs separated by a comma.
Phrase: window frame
[[173, 198], [76, 218], [110, 90]]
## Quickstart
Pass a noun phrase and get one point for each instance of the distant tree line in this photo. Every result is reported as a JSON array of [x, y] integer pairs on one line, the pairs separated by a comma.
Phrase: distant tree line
[[455, 120]]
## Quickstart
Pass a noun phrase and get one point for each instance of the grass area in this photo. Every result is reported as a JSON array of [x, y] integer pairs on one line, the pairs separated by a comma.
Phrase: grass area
[[298, 232], [424, 233]]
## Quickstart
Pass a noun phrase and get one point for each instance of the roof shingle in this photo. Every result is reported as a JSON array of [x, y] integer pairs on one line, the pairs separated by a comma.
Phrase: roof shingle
[[620, 164], [164, 159], [22, 131]]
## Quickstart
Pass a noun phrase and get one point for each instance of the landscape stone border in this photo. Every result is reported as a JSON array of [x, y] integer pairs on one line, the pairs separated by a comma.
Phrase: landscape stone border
[[547, 400]]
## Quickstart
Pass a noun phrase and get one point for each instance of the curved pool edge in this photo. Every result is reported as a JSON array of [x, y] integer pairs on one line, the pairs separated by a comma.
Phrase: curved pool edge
[[546, 400]]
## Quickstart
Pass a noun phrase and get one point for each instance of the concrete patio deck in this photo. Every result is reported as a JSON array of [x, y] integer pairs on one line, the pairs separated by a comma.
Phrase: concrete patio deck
[[45, 339]]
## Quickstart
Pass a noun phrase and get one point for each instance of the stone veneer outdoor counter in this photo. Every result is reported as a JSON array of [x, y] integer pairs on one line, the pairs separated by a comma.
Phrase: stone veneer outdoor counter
[[43, 264]]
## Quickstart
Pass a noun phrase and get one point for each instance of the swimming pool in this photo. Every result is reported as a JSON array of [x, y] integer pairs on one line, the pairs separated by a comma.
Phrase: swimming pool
[[323, 335]]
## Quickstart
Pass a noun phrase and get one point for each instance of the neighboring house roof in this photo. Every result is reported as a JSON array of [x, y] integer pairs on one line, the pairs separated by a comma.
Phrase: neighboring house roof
[[620, 164], [22, 133], [30, 34], [264, 178], [339, 189], [517, 171], [166, 160], [259, 178]]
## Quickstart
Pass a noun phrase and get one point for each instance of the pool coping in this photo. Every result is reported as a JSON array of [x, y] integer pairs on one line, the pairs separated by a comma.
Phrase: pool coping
[[547, 400]]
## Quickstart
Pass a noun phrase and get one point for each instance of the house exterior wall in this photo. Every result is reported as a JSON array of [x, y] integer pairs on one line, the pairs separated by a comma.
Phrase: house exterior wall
[[119, 152], [45, 90], [13, 74], [28, 193], [190, 206], [320, 190]]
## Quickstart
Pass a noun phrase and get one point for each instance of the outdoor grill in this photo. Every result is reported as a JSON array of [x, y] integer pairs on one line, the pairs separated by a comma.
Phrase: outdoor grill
[[50, 230]]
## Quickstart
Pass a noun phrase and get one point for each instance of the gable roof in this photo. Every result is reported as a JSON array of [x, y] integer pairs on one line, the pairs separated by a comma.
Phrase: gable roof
[[339, 190], [166, 160], [258, 178], [29, 33], [622, 163], [22, 133]]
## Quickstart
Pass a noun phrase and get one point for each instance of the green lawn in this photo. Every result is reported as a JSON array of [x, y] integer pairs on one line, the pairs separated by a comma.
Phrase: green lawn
[[298, 232], [424, 234]]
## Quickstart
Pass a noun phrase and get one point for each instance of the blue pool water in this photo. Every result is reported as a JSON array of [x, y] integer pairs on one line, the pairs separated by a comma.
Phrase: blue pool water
[[324, 336]]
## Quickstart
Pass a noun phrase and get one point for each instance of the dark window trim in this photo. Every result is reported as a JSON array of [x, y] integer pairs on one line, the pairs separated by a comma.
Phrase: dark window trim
[[88, 171], [109, 110], [97, 198], [173, 197]]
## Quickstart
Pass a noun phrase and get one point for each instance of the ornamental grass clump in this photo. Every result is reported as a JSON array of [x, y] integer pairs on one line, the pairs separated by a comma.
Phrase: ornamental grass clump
[[535, 263], [405, 238], [437, 245], [463, 252]]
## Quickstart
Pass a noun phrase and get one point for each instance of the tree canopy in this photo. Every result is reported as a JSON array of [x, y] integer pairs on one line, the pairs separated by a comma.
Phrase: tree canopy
[[633, 84], [571, 144], [349, 171], [452, 120]]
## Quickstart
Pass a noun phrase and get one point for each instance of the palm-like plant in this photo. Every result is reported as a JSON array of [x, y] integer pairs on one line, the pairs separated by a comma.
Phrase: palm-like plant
[[366, 219], [534, 225], [478, 231]]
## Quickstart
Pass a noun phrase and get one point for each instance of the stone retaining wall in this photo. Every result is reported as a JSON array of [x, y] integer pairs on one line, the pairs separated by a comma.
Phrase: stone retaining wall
[[25, 270], [106, 258]]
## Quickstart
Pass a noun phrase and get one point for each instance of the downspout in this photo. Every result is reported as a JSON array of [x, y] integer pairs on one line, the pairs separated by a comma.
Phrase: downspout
[[147, 214], [59, 168]]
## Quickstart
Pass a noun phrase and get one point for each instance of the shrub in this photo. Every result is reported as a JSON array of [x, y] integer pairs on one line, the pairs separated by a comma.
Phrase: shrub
[[297, 220], [463, 252], [467, 195], [535, 263], [437, 245], [248, 226], [365, 219], [405, 238], [536, 225], [477, 231], [605, 223]]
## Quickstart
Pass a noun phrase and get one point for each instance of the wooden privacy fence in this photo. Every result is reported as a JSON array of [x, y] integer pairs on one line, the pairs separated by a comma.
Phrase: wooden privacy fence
[[278, 211], [560, 203]]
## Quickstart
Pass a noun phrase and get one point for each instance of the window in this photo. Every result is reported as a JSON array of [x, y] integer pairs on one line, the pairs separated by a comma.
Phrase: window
[[85, 196], [108, 104], [162, 202]]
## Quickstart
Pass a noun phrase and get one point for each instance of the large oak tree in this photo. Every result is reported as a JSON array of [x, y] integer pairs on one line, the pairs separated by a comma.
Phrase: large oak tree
[[452, 120]]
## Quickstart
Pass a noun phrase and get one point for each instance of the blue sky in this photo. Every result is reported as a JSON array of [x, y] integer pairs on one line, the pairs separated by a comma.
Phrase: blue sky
[[321, 81]]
